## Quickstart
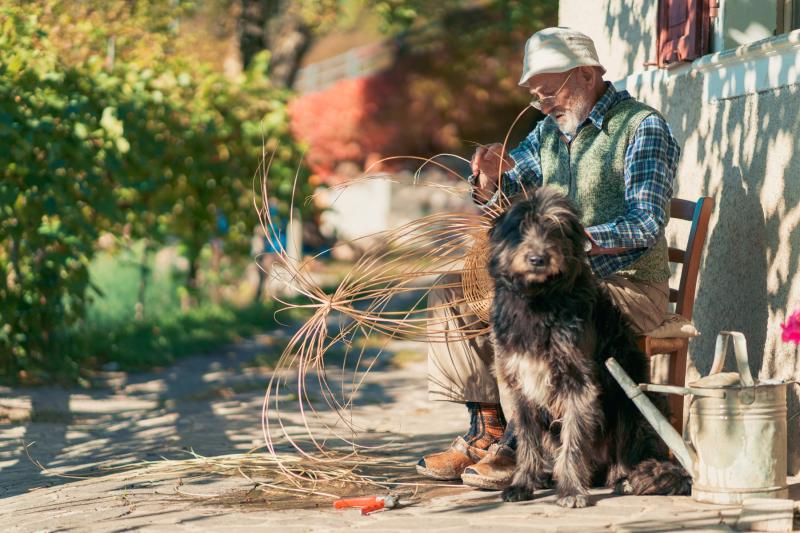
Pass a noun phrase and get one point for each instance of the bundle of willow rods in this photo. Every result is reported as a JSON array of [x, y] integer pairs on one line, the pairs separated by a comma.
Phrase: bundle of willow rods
[[409, 264]]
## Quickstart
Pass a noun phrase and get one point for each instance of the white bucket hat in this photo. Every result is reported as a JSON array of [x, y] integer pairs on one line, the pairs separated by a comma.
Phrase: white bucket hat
[[554, 50]]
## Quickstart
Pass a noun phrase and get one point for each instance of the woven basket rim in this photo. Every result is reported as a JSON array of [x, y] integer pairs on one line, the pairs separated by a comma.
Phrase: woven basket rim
[[475, 279]]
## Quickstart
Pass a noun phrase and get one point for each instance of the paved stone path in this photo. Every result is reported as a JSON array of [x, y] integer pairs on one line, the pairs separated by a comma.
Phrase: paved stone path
[[212, 404]]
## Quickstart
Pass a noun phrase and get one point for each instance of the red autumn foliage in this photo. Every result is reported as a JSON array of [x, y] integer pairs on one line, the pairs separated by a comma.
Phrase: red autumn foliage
[[402, 111], [447, 90], [347, 121]]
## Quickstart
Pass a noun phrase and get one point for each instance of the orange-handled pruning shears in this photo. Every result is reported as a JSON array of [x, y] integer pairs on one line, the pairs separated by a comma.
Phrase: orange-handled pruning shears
[[367, 504]]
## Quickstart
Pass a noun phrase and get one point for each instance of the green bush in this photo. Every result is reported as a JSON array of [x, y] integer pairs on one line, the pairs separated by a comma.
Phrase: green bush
[[153, 153]]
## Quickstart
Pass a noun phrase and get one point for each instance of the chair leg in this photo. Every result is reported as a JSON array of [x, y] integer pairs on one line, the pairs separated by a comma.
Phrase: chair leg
[[677, 376]]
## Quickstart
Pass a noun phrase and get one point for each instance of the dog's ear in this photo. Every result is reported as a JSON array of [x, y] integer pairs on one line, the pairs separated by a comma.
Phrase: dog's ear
[[496, 222], [502, 219]]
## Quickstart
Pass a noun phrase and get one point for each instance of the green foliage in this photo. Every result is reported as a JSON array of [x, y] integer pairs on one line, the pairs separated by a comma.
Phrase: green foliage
[[56, 192], [116, 273], [111, 333], [143, 32], [156, 153], [405, 15], [160, 339]]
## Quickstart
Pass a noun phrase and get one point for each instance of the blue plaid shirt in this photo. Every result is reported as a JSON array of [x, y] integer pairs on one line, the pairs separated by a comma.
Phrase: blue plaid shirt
[[650, 163]]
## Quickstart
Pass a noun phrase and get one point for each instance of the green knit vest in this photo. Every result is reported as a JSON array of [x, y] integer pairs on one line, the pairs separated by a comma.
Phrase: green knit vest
[[591, 172]]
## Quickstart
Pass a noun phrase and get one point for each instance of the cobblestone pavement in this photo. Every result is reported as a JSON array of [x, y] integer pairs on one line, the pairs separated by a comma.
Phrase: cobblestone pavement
[[212, 404]]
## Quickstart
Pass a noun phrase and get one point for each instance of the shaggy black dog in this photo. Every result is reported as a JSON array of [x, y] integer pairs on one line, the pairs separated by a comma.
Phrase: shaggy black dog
[[553, 327]]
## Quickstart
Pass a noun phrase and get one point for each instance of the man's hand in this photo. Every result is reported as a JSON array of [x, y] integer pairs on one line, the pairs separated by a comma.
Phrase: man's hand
[[486, 164], [597, 250]]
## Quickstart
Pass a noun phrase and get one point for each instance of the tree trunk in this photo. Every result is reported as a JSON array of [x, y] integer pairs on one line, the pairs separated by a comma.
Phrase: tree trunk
[[190, 297], [15, 261], [278, 26], [288, 38], [144, 275], [216, 261], [252, 25]]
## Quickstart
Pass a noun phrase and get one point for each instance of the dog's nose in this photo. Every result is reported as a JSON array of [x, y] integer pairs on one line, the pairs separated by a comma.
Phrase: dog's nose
[[538, 260]]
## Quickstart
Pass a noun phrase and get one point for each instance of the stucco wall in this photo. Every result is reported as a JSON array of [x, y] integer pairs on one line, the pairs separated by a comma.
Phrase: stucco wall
[[624, 31], [743, 151]]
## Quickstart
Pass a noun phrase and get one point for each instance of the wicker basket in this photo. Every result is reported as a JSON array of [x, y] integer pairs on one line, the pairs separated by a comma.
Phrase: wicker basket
[[475, 279]]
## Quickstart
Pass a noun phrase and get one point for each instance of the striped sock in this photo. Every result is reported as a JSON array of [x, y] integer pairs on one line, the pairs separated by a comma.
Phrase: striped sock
[[487, 424]]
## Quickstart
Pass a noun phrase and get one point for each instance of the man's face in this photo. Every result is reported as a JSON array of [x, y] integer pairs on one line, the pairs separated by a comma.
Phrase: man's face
[[565, 96]]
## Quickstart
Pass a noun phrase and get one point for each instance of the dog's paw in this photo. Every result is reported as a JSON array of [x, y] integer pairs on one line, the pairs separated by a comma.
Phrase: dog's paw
[[659, 477], [623, 487], [573, 501], [516, 494]]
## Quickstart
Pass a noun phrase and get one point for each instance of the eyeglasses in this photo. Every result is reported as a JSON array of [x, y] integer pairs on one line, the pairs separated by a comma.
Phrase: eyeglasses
[[537, 103]]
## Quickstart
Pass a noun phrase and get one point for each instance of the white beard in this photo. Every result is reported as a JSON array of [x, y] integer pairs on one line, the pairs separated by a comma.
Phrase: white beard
[[569, 124], [574, 117]]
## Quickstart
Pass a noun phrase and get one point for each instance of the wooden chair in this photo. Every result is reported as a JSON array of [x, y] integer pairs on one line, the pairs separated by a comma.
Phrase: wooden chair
[[677, 347]]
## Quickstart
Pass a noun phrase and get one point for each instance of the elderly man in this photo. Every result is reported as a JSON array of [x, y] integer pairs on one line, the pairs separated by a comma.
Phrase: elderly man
[[615, 157]]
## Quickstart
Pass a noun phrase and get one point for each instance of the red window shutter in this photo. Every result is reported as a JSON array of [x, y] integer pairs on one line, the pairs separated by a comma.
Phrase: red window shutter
[[683, 30]]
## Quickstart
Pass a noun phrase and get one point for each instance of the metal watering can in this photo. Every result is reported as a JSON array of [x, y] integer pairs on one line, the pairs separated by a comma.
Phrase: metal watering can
[[736, 428]]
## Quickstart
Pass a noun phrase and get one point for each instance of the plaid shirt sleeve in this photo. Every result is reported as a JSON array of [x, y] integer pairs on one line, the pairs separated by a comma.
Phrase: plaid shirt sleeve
[[650, 163]]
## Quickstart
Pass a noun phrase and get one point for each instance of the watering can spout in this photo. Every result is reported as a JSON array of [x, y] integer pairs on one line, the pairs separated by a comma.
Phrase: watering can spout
[[683, 453]]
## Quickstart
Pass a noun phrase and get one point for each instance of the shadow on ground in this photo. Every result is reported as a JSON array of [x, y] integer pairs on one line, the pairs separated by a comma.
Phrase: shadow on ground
[[209, 404]]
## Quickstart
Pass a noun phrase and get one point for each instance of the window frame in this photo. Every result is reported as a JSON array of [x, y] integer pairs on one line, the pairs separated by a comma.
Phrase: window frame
[[689, 42], [788, 16]]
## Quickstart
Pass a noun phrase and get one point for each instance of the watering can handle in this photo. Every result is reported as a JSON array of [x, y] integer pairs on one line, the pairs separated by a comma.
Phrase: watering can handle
[[740, 351]]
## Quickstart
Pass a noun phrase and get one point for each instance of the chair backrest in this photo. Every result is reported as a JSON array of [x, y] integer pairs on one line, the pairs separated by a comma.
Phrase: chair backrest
[[699, 213]]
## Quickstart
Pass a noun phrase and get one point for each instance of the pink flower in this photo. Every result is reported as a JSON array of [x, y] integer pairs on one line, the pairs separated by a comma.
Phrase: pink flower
[[791, 330]]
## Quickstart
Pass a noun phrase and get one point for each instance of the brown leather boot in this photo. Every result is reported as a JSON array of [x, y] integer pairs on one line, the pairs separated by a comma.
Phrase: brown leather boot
[[494, 471], [449, 464], [487, 425]]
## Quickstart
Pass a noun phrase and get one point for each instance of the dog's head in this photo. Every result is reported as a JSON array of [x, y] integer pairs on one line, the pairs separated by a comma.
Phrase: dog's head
[[538, 243]]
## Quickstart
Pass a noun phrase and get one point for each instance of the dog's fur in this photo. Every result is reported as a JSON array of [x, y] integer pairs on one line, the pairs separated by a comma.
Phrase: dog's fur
[[553, 327]]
